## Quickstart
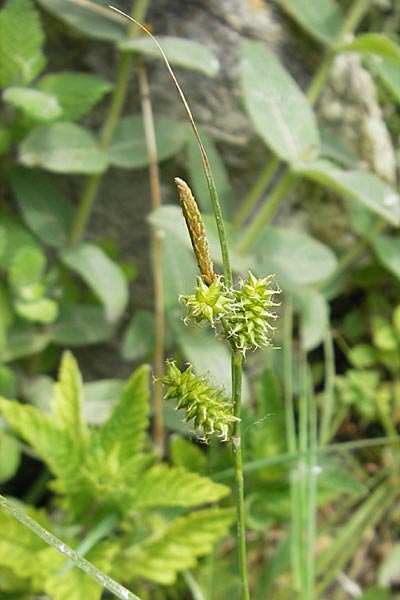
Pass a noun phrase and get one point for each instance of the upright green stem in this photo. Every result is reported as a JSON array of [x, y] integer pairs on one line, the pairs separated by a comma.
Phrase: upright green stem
[[329, 400], [154, 176], [109, 584], [117, 103], [237, 361]]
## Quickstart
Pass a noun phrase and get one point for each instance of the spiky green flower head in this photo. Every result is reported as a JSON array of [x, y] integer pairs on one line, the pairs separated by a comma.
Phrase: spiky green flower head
[[208, 406], [209, 302], [249, 326]]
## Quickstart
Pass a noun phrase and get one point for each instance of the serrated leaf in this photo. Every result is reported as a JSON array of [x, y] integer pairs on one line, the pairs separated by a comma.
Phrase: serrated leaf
[[361, 186], [128, 148], [94, 20], [177, 546], [166, 486], [180, 52], [127, 424], [390, 74], [63, 148], [21, 42], [34, 103], [80, 325], [76, 93], [138, 339], [43, 310], [187, 455], [277, 107], [388, 251], [101, 274], [198, 181], [374, 43], [324, 23], [99, 398], [67, 401], [295, 257], [43, 205]]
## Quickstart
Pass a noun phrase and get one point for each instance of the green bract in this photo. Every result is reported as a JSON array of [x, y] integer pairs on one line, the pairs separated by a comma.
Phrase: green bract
[[206, 405]]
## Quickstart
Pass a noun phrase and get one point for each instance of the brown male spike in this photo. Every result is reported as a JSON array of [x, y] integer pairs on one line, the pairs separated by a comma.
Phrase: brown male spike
[[197, 231]]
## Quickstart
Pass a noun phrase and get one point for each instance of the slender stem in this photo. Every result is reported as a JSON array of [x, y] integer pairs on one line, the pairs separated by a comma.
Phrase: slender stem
[[329, 399], [357, 12], [288, 375], [110, 584], [237, 361], [264, 215], [193, 586], [91, 187], [157, 244], [256, 191]]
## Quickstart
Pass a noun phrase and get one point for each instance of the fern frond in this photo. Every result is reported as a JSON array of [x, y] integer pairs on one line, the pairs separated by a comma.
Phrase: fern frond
[[168, 486], [175, 547], [21, 41]]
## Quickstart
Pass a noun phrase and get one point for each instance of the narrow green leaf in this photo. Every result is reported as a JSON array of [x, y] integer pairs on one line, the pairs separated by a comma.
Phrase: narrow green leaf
[[176, 546], [98, 22], [197, 180], [334, 147], [388, 251], [279, 110], [101, 274], [43, 205], [295, 257], [138, 339], [390, 74], [167, 486], [374, 43], [363, 187], [34, 103], [126, 427], [62, 148], [180, 53], [80, 325], [67, 401], [323, 22], [128, 147], [76, 93], [21, 42]]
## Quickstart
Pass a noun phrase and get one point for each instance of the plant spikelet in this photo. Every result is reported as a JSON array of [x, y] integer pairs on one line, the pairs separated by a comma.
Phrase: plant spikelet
[[197, 231], [208, 406], [248, 326], [209, 303]]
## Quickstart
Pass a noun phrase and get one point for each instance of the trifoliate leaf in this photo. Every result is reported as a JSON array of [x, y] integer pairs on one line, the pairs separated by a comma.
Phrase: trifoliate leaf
[[21, 41]]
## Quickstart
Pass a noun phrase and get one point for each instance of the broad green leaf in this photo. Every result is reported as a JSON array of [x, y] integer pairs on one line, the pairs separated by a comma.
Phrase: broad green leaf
[[127, 424], [21, 42], [323, 22], [374, 43], [24, 340], [128, 147], [138, 339], [314, 317], [180, 52], [175, 547], [94, 19], [80, 325], [335, 148], [101, 274], [390, 74], [43, 205], [277, 107], [198, 181], [363, 187], [168, 486], [179, 272], [388, 251], [67, 401], [62, 148], [10, 458], [99, 397], [76, 93], [43, 310], [26, 270], [294, 256], [34, 103], [16, 236]]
